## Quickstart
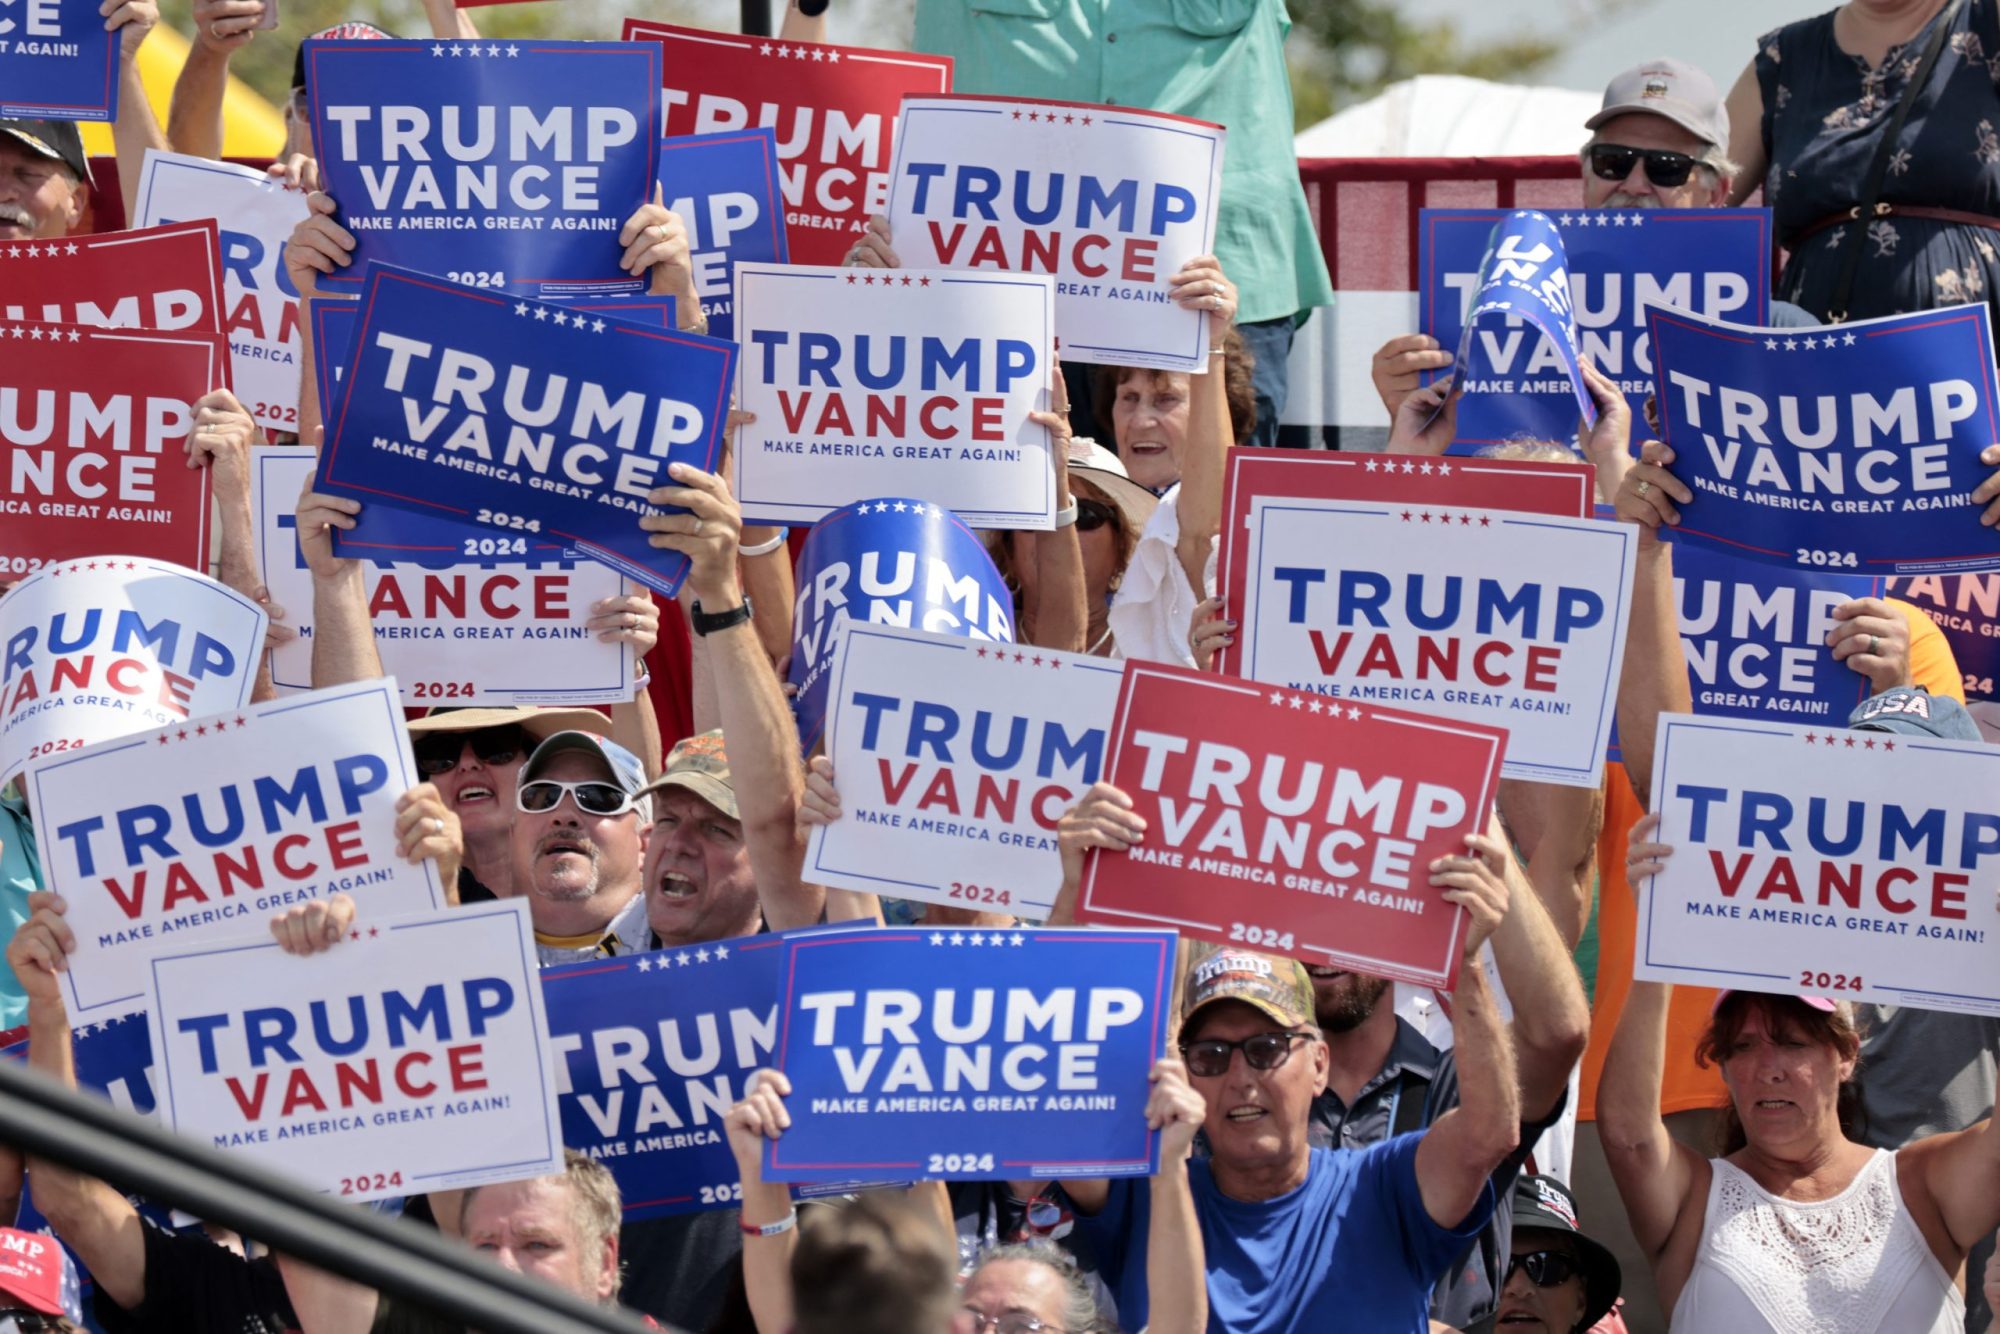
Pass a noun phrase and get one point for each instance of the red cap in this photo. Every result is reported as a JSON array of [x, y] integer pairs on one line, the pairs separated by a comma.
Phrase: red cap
[[32, 1273], [1824, 1004]]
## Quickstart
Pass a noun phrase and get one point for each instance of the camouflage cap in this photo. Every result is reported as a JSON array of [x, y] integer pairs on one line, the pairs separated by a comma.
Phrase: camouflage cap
[[1280, 989], [699, 764]]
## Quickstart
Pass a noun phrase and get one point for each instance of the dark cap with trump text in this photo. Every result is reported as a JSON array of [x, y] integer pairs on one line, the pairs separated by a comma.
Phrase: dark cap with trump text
[[1279, 989]]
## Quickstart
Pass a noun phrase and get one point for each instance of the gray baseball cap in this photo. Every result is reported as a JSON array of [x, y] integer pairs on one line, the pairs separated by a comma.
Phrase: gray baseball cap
[[1670, 88]]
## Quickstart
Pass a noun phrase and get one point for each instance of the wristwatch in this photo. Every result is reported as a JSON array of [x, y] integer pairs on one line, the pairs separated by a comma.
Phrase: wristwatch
[[706, 624]]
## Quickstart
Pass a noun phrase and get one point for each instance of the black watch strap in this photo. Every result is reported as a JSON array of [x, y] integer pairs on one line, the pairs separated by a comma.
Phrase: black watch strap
[[706, 624]]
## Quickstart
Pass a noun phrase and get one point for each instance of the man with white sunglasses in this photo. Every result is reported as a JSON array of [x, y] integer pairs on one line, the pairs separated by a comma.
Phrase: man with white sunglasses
[[578, 836]]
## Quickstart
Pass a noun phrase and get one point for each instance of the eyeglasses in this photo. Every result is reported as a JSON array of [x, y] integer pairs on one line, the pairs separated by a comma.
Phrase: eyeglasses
[[1613, 162], [1264, 1051], [1545, 1268], [1013, 1322], [1092, 515], [438, 752], [545, 794]]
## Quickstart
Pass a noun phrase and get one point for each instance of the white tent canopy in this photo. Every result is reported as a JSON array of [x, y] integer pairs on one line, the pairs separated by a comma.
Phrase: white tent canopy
[[1448, 115]]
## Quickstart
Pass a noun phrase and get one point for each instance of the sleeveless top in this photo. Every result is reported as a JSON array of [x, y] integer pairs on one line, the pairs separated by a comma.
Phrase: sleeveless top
[[1824, 112], [1853, 1264]]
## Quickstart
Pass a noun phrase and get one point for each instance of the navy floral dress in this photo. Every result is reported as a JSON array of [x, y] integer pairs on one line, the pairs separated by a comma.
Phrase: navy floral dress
[[1824, 112]]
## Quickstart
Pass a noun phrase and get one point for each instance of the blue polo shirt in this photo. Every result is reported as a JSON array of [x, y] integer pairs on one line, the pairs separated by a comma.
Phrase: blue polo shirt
[[1352, 1248]]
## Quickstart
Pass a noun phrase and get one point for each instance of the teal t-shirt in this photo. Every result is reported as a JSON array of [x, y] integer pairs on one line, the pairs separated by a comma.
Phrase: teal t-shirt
[[20, 876]]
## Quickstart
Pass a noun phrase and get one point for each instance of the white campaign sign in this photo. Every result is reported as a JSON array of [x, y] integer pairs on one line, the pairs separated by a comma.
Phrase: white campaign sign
[[1513, 620], [95, 649], [460, 632], [1824, 861], [1110, 200], [955, 758], [411, 1057], [204, 829], [256, 215], [907, 383]]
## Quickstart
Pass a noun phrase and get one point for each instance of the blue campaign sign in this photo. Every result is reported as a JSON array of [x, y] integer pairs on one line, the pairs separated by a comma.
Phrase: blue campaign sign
[[652, 1051], [1967, 611], [725, 188], [510, 165], [1712, 261], [1854, 449], [971, 1055], [888, 562], [57, 62], [1523, 274], [382, 532], [521, 416]]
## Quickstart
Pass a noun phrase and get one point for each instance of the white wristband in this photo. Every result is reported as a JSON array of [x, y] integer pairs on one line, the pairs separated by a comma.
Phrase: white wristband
[[1066, 517], [764, 548]]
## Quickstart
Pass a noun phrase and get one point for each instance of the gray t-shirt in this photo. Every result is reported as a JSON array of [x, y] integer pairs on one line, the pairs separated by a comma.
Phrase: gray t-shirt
[[1923, 1072]]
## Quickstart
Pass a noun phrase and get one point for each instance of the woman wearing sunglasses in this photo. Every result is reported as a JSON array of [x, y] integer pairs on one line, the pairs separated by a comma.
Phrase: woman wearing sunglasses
[[1559, 1281]]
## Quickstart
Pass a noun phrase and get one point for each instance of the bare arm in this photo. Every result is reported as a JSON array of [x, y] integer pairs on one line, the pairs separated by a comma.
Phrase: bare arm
[[1655, 678], [762, 740], [194, 117], [796, 27], [1176, 1263], [767, 580], [1200, 285], [1961, 1175], [136, 128], [95, 1220], [1555, 827], [767, 1261], [633, 619], [1746, 135], [1458, 1154], [1551, 1016], [343, 648], [1062, 612], [448, 20], [326, 1303]]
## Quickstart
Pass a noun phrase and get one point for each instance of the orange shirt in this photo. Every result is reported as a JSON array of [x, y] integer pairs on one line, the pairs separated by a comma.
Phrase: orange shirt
[[1686, 1085]]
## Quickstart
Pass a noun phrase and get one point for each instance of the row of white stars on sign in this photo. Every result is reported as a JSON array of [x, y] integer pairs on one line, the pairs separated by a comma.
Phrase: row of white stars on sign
[[883, 507], [1408, 467], [826, 53], [1313, 704], [961, 938], [1604, 217], [686, 959], [543, 313], [1792, 344], [49, 251], [106, 1025], [36, 335], [472, 48]]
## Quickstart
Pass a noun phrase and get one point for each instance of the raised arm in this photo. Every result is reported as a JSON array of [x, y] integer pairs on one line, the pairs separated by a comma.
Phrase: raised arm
[[1458, 1154], [1551, 1017], [1062, 612], [798, 26], [448, 20], [1658, 1177], [194, 116], [343, 648], [767, 1258], [1746, 135], [136, 128], [1176, 1264], [1201, 285], [1655, 678], [757, 727]]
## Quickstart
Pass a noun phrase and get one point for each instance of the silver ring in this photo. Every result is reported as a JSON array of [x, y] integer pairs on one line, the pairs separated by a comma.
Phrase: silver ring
[[631, 619], [1874, 643], [696, 531], [1643, 488], [437, 825], [659, 231], [215, 31]]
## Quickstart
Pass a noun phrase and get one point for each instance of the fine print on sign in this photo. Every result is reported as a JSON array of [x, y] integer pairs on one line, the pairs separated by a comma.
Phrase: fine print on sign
[[1111, 201], [57, 62], [255, 213], [1854, 449], [94, 427], [101, 648], [499, 165], [1448, 611], [971, 1055], [523, 417], [955, 760], [918, 383], [204, 829], [1824, 861], [832, 108], [1713, 261], [409, 1058], [1308, 831], [455, 631]]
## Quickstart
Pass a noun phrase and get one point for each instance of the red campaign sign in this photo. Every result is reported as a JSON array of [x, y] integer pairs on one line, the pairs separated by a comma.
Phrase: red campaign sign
[[156, 278], [93, 436], [1308, 832], [834, 109], [1567, 490]]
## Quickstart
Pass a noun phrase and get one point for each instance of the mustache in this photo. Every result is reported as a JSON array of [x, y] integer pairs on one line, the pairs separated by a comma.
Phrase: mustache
[[1622, 199], [570, 841], [15, 214]]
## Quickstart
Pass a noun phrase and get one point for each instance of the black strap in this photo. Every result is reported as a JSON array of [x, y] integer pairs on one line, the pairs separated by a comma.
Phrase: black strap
[[1885, 148]]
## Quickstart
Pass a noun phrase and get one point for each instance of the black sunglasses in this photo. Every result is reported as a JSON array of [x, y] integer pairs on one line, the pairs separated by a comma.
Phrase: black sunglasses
[[1264, 1051], [1092, 515], [438, 752], [1613, 162], [1545, 1268]]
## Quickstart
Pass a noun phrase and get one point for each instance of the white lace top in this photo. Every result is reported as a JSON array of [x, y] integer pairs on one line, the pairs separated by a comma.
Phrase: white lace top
[[1853, 1264]]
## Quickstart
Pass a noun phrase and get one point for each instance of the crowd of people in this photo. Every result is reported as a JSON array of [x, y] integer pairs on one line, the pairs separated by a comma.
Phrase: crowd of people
[[1559, 1148]]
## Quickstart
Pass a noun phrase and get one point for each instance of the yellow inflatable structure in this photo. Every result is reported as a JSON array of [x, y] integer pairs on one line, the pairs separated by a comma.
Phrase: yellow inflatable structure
[[251, 126]]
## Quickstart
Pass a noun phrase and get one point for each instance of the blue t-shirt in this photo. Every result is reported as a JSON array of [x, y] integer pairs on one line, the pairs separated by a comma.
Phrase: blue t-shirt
[[1352, 1248]]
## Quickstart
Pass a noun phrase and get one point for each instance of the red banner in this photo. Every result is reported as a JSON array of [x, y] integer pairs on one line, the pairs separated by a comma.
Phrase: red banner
[[833, 107], [1565, 489], [158, 278], [93, 436], [1308, 832]]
